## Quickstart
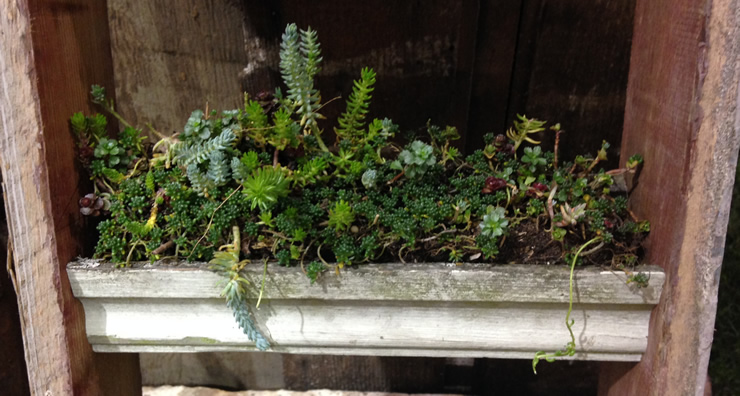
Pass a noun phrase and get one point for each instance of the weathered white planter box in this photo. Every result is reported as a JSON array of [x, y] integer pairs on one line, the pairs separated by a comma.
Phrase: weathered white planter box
[[508, 311]]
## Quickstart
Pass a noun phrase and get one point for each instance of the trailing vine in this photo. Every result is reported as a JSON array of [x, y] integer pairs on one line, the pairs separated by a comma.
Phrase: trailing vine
[[226, 262], [570, 347]]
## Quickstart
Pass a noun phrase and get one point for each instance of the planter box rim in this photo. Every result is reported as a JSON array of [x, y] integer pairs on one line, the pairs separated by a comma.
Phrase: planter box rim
[[446, 282], [436, 309]]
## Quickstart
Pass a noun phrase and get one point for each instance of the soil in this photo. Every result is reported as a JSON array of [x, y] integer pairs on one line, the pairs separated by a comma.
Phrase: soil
[[528, 242]]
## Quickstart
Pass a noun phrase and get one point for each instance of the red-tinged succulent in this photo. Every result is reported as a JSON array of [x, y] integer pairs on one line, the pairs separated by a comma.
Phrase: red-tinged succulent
[[86, 152], [509, 149], [91, 204], [499, 141], [493, 184], [501, 145], [536, 189]]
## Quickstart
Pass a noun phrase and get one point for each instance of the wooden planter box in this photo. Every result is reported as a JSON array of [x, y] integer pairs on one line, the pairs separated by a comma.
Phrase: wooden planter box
[[442, 310], [679, 110]]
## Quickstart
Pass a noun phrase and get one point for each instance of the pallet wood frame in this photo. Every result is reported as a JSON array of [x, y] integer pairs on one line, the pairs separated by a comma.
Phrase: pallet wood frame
[[50, 53], [682, 114]]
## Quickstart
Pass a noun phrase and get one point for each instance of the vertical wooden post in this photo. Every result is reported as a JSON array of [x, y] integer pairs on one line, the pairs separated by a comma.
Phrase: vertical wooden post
[[50, 54], [682, 116]]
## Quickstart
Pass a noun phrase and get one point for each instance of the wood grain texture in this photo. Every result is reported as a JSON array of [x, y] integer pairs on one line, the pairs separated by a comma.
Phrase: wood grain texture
[[495, 47], [228, 370], [172, 57], [386, 310], [682, 115], [50, 53], [373, 282], [364, 373], [604, 332], [571, 67]]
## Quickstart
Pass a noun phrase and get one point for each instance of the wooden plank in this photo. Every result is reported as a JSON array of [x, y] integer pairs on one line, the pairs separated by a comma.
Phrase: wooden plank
[[376, 373], [383, 310], [50, 53], [262, 33], [373, 328], [255, 370], [682, 115], [373, 282], [571, 67], [418, 50], [495, 47], [171, 58]]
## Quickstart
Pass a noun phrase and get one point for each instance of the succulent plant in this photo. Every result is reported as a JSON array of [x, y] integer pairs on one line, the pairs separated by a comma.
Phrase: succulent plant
[[494, 222], [493, 184], [265, 186], [341, 216], [417, 158]]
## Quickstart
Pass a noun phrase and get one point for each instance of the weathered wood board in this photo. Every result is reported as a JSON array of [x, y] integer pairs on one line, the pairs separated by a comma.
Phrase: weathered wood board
[[682, 116], [464, 63], [571, 66], [387, 309], [50, 54], [495, 49], [171, 58]]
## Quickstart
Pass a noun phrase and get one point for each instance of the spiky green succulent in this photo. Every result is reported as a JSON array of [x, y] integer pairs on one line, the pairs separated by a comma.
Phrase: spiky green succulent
[[523, 127], [352, 121], [341, 216], [226, 262], [265, 186], [300, 56]]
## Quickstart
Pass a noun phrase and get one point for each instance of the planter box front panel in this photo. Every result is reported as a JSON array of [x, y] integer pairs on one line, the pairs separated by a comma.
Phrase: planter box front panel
[[506, 311]]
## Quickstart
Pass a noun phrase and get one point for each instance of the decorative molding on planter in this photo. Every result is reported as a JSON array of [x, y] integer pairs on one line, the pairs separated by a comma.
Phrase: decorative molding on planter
[[472, 310]]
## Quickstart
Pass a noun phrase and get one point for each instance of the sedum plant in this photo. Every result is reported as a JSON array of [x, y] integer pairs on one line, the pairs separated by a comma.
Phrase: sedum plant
[[494, 222], [259, 183], [351, 122], [341, 216], [416, 159], [226, 262], [265, 186], [300, 56]]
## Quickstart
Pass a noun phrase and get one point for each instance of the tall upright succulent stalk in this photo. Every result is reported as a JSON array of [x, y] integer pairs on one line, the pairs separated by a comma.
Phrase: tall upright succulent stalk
[[300, 56], [352, 121]]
